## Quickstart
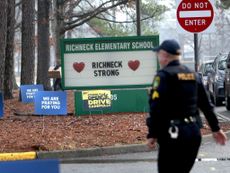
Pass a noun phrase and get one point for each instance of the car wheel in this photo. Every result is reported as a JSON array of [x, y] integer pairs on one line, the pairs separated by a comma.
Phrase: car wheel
[[227, 102]]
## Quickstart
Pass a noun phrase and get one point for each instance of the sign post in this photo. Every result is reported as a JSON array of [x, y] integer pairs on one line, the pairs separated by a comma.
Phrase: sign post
[[196, 55], [195, 16]]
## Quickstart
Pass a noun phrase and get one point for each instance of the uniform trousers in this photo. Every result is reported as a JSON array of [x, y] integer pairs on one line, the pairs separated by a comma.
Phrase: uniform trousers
[[178, 155]]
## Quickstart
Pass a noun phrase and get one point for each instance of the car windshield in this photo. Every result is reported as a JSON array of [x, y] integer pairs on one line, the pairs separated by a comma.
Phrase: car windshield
[[222, 64]]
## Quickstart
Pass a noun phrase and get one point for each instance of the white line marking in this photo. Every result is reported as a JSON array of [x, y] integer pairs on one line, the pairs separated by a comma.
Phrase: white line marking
[[222, 116], [187, 14], [212, 159]]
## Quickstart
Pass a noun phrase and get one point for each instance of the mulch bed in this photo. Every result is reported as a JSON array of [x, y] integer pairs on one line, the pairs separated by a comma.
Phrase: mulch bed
[[20, 130]]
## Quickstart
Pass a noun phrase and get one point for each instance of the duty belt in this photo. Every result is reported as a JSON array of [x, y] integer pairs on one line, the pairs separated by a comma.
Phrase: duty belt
[[185, 120]]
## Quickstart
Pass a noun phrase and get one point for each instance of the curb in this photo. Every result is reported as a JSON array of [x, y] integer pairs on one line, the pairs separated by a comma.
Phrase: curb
[[85, 155], [76, 156], [92, 152], [18, 156]]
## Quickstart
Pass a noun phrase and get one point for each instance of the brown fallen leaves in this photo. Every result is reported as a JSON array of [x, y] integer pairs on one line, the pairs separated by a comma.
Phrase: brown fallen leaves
[[25, 132]]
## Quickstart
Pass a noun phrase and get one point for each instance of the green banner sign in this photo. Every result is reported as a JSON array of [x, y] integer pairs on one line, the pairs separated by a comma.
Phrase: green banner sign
[[109, 44], [111, 101]]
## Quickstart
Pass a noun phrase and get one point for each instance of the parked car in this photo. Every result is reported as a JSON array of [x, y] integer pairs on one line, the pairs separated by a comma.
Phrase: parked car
[[204, 70], [215, 81], [227, 83]]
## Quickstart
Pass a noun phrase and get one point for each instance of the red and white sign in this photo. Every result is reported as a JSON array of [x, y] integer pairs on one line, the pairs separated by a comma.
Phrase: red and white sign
[[195, 16]]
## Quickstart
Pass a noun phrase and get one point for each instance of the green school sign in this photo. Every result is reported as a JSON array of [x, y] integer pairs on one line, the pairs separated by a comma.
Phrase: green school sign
[[118, 62]]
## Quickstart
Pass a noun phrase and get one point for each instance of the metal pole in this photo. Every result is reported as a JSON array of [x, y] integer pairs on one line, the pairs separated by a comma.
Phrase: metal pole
[[138, 17], [196, 51]]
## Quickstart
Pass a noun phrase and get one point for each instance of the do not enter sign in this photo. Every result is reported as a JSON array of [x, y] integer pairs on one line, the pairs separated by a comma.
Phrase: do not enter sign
[[195, 16]]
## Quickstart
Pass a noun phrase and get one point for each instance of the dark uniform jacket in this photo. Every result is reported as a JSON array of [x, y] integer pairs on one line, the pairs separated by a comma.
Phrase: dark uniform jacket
[[177, 93]]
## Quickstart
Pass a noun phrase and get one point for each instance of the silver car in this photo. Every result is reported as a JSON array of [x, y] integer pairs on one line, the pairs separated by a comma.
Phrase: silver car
[[204, 70], [215, 81]]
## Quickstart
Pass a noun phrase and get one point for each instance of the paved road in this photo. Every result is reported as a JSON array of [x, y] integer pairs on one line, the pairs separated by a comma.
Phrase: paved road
[[214, 158], [143, 167], [146, 162], [223, 114]]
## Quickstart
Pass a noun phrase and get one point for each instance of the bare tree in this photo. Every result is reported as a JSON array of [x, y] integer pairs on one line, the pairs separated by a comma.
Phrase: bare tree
[[3, 34], [65, 18], [28, 42], [9, 61]]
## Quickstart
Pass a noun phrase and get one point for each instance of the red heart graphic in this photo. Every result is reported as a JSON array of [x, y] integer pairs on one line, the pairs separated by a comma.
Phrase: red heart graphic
[[79, 66], [134, 64]]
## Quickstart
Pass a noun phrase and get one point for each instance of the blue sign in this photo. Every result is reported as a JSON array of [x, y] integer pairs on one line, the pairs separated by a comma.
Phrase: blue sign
[[1, 105], [28, 92], [30, 166], [51, 103]]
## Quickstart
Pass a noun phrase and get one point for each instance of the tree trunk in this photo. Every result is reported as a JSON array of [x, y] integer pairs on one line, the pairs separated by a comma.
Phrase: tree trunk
[[9, 62], [28, 42], [59, 26], [43, 44], [3, 34]]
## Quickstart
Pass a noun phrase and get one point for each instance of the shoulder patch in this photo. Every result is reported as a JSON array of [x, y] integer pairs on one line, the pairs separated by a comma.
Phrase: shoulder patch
[[155, 95], [156, 82]]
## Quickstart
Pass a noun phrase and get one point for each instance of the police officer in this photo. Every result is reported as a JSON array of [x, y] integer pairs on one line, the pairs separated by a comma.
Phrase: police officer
[[174, 122]]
